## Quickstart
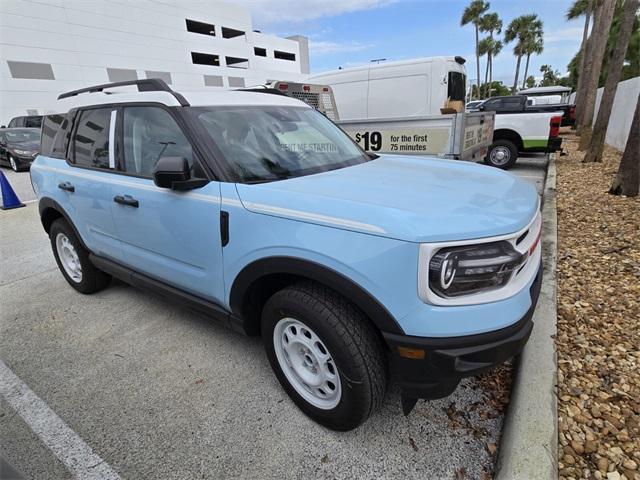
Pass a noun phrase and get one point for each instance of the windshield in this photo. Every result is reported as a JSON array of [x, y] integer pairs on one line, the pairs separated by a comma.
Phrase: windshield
[[21, 136], [263, 143]]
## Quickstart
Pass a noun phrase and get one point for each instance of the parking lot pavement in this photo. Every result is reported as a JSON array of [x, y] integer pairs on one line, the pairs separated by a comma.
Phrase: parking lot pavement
[[533, 168], [157, 391], [21, 184]]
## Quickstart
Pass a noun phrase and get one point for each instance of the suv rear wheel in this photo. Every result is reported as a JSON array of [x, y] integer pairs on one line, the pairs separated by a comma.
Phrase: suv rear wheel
[[325, 354], [73, 260]]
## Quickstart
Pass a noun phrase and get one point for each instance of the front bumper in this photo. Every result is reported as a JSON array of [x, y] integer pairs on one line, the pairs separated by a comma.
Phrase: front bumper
[[446, 361], [24, 161]]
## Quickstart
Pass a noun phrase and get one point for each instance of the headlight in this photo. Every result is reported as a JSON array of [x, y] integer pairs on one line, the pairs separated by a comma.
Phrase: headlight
[[23, 152], [456, 271]]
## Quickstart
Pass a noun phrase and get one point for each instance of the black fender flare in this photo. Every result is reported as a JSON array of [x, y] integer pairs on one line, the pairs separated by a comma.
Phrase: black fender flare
[[307, 269], [46, 204]]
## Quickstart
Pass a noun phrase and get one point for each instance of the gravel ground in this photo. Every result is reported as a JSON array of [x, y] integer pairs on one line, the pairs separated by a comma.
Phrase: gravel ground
[[598, 321]]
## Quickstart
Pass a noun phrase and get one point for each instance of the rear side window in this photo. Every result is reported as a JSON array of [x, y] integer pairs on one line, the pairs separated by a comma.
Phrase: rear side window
[[91, 138], [456, 86], [15, 122], [151, 133], [33, 122], [55, 136]]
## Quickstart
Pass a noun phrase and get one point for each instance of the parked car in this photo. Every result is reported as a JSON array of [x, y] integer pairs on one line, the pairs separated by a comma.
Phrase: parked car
[[519, 128], [521, 103], [18, 147], [473, 105], [29, 121], [258, 211]]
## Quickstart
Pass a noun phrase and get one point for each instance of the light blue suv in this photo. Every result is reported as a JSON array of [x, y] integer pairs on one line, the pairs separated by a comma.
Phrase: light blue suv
[[258, 211]]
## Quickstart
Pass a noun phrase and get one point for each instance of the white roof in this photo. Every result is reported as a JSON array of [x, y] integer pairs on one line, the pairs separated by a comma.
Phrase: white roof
[[547, 90], [200, 98], [384, 63]]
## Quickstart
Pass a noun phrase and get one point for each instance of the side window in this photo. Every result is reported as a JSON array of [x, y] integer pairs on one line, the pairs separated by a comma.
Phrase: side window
[[456, 87], [51, 126], [150, 133], [91, 139]]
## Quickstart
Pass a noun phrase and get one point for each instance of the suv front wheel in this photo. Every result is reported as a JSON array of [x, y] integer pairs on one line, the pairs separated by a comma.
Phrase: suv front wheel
[[73, 259], [325, 354]]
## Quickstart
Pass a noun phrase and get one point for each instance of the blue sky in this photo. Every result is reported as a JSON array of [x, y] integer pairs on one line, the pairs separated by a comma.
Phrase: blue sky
[[351, 32]]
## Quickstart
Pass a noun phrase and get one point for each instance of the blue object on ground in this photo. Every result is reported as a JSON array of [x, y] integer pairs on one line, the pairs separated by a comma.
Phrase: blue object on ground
[[9, 197]]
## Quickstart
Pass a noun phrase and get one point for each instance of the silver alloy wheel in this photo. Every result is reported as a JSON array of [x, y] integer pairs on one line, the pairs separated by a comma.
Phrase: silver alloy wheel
[[69, 257], [307, 363], [500, 155], [12, 162]]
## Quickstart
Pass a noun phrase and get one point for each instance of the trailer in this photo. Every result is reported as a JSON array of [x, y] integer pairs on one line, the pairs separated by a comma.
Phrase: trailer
[[456, 135]]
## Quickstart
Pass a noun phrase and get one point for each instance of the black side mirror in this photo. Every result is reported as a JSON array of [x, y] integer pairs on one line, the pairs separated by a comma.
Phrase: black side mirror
[[480, 108], [169, 170]]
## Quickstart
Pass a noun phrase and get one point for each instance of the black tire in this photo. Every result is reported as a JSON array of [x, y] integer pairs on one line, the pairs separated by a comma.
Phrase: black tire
[[502, 146], [15, 162], [93, 280], [354, 345]]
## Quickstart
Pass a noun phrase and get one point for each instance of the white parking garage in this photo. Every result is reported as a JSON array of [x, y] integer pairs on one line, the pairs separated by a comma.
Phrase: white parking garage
[[57, 46]]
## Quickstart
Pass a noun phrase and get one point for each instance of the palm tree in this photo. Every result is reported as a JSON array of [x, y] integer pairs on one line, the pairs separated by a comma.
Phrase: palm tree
[[533, 45], [521, 29], [577, 10], [495, 51], [484, 48], [592, 66], [472, 14], [628, 17], [490, 23]]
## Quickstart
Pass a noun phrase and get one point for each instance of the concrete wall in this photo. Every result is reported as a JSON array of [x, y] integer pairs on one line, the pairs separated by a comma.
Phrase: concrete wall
[[622, 112], [71, 44]]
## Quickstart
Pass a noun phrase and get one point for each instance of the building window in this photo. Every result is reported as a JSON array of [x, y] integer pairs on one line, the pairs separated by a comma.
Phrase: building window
[[231, 32], [205, 59], [236, 62], [237, 82], [200, 27], [213, 81], [166, 76], [284, 55], [121, 74], [35, 71], [260, 52]]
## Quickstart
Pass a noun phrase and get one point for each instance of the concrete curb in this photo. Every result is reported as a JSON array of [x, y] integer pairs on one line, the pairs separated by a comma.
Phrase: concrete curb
[[529, 444]]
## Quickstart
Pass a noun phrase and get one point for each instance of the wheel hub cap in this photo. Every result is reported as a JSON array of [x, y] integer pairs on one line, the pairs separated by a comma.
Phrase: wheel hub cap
[[69, 257], [307, 363], [500, 155]]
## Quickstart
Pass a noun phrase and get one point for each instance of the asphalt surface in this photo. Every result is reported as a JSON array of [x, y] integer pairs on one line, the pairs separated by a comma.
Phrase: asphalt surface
[[157, 391], [21, 184]]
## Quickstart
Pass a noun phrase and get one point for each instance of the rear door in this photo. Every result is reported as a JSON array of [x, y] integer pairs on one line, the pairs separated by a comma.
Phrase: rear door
[[168, 235], [85, 187]]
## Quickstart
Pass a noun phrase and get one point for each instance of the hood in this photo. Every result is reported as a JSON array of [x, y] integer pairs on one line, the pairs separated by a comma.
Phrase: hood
[[416, 199], [31, 146]]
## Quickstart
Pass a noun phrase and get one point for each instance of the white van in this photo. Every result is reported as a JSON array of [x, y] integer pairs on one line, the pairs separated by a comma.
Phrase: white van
[[371, 91]]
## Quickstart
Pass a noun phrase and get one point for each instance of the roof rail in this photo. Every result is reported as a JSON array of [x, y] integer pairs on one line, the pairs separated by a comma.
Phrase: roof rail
[[144, 85]]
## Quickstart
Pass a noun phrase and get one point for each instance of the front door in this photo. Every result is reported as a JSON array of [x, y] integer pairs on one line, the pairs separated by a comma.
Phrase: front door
[[171, 236]]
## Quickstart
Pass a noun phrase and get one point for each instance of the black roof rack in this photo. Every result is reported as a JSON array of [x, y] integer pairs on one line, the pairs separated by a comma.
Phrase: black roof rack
[[261, 89], [144, 85]]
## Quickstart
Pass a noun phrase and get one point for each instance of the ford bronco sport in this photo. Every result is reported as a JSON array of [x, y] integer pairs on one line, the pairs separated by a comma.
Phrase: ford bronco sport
[[258, 211]]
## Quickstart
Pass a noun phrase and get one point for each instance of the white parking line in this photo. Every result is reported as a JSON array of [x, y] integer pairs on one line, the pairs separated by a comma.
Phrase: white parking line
[[76, 455]]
